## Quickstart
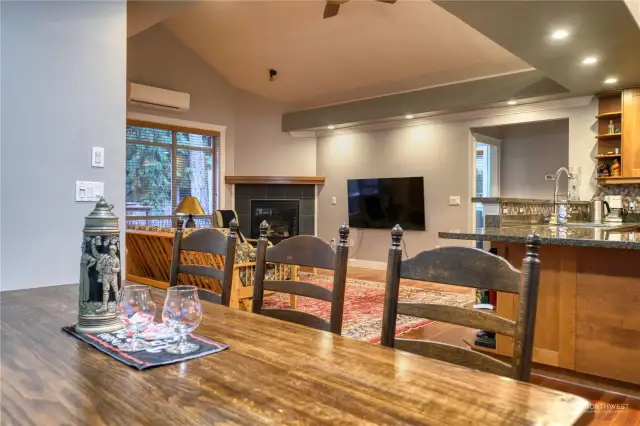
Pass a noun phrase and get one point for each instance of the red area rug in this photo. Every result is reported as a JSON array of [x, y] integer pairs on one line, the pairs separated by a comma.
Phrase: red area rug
[[364, 304]]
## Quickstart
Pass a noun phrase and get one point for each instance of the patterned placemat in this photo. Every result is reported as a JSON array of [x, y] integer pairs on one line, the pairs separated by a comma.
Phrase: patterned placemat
[[157, 339]]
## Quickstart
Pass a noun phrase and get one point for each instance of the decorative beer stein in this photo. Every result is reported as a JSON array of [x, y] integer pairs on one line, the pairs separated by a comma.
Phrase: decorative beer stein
[[100, 279]]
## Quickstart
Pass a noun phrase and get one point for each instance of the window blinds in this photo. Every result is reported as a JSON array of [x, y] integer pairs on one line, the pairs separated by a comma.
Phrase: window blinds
[[165, 164]]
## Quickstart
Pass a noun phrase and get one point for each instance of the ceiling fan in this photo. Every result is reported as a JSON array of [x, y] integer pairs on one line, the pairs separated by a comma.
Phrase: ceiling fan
[[333, 6]]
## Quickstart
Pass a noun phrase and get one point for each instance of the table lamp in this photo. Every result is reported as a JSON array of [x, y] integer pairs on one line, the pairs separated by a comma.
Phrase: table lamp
[[189, 205]]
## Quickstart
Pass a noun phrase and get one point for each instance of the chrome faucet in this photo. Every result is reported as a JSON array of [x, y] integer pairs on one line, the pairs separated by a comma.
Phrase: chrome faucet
[[561, 210]]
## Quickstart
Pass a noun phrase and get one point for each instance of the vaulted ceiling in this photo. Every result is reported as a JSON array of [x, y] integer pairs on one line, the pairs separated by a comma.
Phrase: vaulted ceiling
[[370, 49]]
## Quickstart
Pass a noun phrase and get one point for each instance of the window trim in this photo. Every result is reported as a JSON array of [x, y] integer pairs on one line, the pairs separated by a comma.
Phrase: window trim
[[188, 128]]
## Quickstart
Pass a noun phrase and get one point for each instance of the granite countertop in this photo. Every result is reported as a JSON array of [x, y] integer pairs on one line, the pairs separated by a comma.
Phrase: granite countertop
[[624, 236], [496, 200]]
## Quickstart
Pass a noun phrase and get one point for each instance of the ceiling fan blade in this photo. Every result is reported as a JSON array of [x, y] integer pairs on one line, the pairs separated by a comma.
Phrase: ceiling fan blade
[[332, 7], [330, 10]]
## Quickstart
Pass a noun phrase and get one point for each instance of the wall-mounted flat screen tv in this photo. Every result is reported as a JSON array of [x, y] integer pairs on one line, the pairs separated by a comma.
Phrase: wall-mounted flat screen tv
[[382, 203]]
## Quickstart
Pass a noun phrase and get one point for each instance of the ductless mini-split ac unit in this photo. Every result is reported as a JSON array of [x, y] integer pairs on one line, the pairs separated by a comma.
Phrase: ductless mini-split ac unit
[[156, 97]]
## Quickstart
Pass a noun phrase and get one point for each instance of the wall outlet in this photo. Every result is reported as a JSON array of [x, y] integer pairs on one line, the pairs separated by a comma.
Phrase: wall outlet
[[332, 242], [454, 200], [334, 201], [549, 176], [351, 244]]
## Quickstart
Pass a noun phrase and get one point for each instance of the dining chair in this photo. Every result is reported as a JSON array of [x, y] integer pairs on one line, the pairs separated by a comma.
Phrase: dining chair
[[211, 241], [303, 250], [467, 267]]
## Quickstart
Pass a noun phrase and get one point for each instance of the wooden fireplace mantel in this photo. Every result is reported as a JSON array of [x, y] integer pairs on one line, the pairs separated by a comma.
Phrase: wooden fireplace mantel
[[282, 180]]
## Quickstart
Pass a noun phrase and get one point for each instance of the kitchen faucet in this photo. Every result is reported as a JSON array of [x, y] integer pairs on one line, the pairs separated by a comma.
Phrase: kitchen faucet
[[560, 209]]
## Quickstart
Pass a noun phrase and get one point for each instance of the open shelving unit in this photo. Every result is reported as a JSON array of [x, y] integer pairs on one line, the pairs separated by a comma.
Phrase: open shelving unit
[[609, 115], [609, 111]]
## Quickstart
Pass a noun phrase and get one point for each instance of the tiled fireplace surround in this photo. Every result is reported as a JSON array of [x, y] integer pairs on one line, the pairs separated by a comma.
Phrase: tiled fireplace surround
[[306, 194]]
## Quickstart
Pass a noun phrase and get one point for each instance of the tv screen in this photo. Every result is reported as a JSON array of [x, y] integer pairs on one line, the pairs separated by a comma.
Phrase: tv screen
[[383, 203]]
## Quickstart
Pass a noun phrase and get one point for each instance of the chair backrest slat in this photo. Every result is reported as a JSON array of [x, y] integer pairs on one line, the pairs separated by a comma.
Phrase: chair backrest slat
[[306, 251], [459, 316], [299, 288], [211, 241], [464, 266], [455, 355], [298, 317], [303, 250], [205, 240], [209, 296], [469, 267], [202, 271]]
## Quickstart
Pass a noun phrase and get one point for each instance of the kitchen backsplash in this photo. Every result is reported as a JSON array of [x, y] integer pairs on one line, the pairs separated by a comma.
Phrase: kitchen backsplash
[[630, 190], [630, 198]]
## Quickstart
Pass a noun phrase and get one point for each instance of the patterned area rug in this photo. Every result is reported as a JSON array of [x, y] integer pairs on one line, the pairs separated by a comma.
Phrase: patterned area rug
[[363, 305]]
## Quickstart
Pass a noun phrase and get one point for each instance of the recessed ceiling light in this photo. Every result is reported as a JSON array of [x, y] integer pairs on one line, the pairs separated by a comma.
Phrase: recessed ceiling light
[[589, 60], [512, 103], [559, 34], [611, 80], [331, 127], [408, 116]]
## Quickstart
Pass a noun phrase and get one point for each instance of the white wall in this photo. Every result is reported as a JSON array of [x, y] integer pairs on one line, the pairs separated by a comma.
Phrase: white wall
[[261, 148], [441, 150], [529, 151], [63, 75]]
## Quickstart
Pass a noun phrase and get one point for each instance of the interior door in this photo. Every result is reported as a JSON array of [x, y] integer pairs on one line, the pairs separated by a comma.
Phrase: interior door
[[631, 133]]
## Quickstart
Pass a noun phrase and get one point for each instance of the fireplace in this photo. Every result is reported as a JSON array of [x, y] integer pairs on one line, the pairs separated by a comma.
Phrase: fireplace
[[283, 217], [246, 195]]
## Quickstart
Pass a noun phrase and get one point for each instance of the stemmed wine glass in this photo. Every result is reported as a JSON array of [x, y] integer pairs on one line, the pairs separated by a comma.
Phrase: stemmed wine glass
[[182, 313], [136, 310]]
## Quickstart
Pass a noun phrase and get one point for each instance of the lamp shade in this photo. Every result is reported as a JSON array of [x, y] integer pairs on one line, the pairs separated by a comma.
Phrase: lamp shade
[[189, 205]]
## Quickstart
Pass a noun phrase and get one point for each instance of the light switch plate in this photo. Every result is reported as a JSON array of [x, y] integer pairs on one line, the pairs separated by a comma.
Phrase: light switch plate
[[89, 191], [334, 201], [97, 156], [454, 200]]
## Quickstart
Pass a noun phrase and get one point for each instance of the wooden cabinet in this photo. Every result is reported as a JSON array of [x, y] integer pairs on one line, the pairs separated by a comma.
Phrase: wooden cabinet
[[631, 133], [587, 318], [622, 109]]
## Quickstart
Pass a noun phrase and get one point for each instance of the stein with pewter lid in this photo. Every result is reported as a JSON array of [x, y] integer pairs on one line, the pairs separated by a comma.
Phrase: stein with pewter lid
[[100, 267]]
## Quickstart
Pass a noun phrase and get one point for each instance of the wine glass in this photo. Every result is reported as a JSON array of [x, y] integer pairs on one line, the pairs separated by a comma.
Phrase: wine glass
[[182, 313], [136, 310]]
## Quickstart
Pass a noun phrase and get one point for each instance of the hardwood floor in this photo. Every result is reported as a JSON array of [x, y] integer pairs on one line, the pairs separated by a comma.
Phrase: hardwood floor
[[615, 403]]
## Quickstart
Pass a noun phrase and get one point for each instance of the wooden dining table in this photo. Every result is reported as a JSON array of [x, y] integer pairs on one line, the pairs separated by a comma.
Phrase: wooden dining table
[[273, 373]]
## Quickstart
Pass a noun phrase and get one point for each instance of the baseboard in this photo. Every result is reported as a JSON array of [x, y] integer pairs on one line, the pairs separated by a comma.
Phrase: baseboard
[[369, 264]]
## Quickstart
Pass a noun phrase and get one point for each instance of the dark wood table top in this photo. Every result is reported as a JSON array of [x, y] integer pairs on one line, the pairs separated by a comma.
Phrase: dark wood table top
[[274, 373]]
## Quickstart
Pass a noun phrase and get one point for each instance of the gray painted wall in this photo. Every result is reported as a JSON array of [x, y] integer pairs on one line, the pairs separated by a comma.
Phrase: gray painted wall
[[441, 151], [255, 145], [64, 79], [529, 151]]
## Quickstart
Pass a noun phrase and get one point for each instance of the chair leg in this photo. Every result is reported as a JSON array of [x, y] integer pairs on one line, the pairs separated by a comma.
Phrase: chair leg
[[293, 301], [234, 300]]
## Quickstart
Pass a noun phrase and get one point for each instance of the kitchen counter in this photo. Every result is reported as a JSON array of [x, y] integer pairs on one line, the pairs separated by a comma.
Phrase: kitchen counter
[[587, 316], [623, 236], [496, 200]]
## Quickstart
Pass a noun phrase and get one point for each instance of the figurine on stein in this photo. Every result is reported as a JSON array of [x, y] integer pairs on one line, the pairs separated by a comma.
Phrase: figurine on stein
[[99, 272]]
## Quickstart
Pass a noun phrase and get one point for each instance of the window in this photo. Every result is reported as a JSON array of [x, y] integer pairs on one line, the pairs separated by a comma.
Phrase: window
[[483, 179], [165, 164]]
